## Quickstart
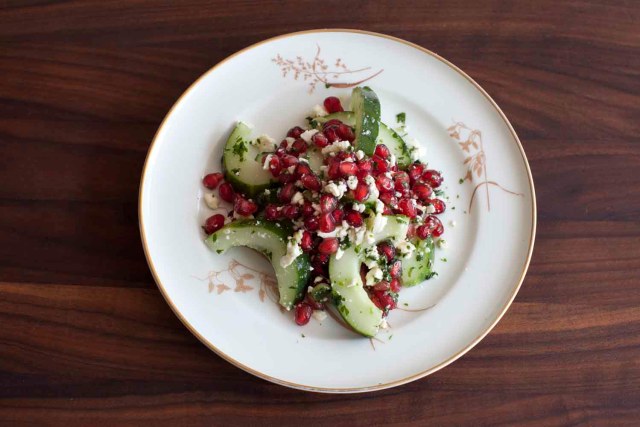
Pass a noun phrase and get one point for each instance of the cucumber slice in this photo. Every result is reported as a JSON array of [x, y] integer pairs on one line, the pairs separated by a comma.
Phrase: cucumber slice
[[242, 163], [419, 266], [316, 159], [349, 294], [386, 136], [366, 107], [320, 293], [270, 239]]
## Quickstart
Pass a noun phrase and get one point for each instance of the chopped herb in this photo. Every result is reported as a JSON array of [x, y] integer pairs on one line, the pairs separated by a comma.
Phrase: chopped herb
[[239, 148], [219, 251], [401, 220], [457, 196], [443, 259], [453, 208], [343, 309], [439, 193], [327, 85], [420, 257], [430, 275], [406, 304], [390, 336], [460, 181], [401, 117], [464, 211], [411, 271], [302, 335], [214, 237], [235, 171]]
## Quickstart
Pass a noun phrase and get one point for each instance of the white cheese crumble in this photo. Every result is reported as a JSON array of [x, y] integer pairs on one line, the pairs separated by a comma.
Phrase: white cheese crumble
[[352, 182], [291, 168], [392, 159], [337, 190], [339, 253], [319, 111], [265, 166], [297, 198], [373, 276], [336, 147], [358, 207], [307, 134], [319, 315], [359, 154], [429, 209], [266, 143], [318, 279], [293, 250], [442, 244], [384, 324], [379, 206], [290, 140], [379, 221], [405, 248], [211, 200], [373, 190]]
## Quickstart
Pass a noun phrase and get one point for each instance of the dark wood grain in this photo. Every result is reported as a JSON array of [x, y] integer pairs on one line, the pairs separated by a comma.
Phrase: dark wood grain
[[86, 338]]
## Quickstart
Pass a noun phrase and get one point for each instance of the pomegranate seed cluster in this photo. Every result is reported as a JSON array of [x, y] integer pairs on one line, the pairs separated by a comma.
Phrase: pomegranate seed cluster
[[342, 204]]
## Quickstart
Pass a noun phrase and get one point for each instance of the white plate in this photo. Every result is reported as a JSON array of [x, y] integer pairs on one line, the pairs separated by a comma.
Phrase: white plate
[[273, 85]]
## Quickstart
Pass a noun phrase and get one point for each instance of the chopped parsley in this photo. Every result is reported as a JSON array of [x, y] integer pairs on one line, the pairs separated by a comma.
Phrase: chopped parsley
[[239, 148], [235, 171], [220, 251], [460, 181], [443, 259], [401, 117]]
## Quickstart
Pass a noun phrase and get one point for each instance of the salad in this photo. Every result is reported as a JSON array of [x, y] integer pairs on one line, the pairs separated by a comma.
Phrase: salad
[[343, 210]]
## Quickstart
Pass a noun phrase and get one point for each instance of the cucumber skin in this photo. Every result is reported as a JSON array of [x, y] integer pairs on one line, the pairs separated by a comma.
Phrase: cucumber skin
[[367, 121], [422, 270]]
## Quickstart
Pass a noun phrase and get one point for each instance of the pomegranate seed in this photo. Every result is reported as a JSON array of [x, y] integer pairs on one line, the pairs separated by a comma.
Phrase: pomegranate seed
[[423, 231], [333, 172], [389, 199], [226, 192], [332, 122], [288, 160], [303, 313], [431, 226], [379, 164], [437, 232], [286, 178], [295, 132], [422, 191], [328, 246], [326, 223], [361, 192], [301, 169], [337, 215], [271, 212], [433, 177], [282, 148], [401, 180], [387, 250], [274, 166], [387, 210], [328, 203], [286, 192], [365, 165], [306, 243], [307, 209], [212, 180], [395, 269], [244, 207], [345, 133], [406, 207], [361, 175], [354, 218], [311, 182], [331, 133], [332, 104], [319, 263], [382, 151], [213, 223], [385, 299], [415, 171], [299, 146], [381, 286], [384, 183], [345, 156], [438, 205], [376, 301], [291, 211], [395, 285], [348, 168], [311, 223], [320, 140]]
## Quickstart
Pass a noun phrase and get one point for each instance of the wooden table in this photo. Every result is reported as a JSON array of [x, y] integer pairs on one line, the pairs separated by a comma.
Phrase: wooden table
[[86, 338]]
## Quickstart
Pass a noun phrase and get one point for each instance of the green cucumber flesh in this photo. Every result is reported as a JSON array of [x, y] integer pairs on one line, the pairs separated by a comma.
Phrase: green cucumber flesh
[[366, 107], [242, 163], [418, 267], [270, 239]]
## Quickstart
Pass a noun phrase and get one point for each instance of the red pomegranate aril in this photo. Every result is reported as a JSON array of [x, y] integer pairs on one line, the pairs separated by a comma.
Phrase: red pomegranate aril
[[385, 299], [288, 160], [387, 210], [271, 212], [274, 166], [406, 207], [299, 146], [438, 205], [422, 191], [333, 171], [311, 223], [303, 313], [295, 132], [316, 305], [226, 192], [332, 122], [328, 203], [307, 209], [389, 199], [311, 182], [348, 168], [291, 211], [365, 165], [282, 148], [332, 104], [384, 183], [244, 207], [361, 175], [432, 226], [306, 243], [381, 286], [328, 246], [320, 140], [212, 180], [379, 164], [395, 269], [394, 285], [374, 299], [382, 151], [345, 133], [301, 169], [401, 180], [286, 177], [286, 192], [326, 223], [319, 263], [361, 192], [331, 133], [423, 231], [337, 215], [387, 250], [411, 232], [415, 171], [433, 177], [213, 223], [354, 218], [437, 232]]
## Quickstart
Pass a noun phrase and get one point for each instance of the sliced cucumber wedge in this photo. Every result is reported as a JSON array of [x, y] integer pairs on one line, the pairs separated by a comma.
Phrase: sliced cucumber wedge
[[366, 107], [270, 239], [242, 163], [386, 136], [349, 295], [419, 266]]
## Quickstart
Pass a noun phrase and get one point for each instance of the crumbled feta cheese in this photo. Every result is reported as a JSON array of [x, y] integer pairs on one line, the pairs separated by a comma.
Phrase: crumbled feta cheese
[[392, 159], [318, 279], [211, 200], [293, 252], [319, 111], [359, 154], [373, 276], [291, 168], [429, 209], [337, 190], [415, 149], [290, 140], [442, 244], [266, 143], [384, 324], [379, 221], [339, 253], [358, 207], [371, 238], [307, 134], [379, 206], [405, 248], [373, 190], [352, 182], [319, 315], [297, 198], [265, 165], [333, 233], [316, 208], [336, 147]]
